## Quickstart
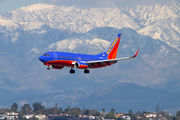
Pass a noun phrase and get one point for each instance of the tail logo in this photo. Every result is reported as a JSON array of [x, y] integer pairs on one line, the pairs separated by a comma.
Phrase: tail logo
[[112, 45]]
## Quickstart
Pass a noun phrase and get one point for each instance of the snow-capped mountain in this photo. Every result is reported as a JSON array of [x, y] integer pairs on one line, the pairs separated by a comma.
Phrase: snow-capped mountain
[[21, 64], [158, 22], [28, 32]]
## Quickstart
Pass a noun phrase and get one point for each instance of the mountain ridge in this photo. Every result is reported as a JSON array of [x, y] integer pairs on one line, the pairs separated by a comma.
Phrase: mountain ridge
[[128, 96], [158, 59], [120, 96], [155, 21]]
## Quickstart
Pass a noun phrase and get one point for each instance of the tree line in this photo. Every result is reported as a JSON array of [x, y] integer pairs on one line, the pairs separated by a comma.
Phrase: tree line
[[38, 108]]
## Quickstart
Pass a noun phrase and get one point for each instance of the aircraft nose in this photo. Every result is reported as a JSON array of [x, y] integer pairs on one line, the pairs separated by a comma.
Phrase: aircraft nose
[[41, 59]]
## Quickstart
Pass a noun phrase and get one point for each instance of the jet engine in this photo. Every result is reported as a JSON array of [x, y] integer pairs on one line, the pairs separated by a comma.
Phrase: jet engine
[[80, 65]]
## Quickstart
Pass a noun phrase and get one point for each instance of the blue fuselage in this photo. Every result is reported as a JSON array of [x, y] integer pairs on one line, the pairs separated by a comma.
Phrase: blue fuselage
[[50, 56]]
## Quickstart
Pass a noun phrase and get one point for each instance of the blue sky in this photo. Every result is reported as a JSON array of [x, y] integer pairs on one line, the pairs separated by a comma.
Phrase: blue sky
[[8, 5]]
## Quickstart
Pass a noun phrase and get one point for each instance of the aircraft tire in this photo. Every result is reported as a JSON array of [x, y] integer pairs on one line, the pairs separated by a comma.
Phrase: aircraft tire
[[72, 71], [86, 71]]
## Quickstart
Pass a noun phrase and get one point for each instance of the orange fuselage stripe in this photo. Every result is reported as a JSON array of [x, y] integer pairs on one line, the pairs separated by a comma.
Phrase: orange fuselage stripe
[[61, 62]]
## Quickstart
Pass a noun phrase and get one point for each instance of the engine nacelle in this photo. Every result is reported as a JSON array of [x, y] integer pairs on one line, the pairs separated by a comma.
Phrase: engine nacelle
[[80, 65]]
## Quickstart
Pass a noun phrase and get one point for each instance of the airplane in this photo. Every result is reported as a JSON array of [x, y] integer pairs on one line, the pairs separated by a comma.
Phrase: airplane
[[59, 60]]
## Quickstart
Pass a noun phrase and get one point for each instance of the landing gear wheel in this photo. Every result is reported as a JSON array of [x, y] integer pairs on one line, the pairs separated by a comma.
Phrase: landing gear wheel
[[86, 71], [72, 71]]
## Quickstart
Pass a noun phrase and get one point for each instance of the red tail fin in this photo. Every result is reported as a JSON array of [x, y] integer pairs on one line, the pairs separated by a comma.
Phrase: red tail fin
[[113, 48]]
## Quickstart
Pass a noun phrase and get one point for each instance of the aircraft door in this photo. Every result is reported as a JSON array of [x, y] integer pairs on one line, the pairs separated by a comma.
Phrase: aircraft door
[[55, 56]]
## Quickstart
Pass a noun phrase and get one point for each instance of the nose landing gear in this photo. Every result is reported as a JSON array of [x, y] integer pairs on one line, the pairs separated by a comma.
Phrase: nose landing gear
[[50, 67]]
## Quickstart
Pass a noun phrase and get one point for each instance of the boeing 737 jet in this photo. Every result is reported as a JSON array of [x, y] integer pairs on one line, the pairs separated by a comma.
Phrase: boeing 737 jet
[[59, 60]]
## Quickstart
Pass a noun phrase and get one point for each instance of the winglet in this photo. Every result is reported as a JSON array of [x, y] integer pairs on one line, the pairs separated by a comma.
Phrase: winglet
[[136, 53]]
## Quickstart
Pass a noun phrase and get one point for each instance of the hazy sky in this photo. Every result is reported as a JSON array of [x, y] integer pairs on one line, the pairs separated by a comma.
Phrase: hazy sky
[[8, 5]]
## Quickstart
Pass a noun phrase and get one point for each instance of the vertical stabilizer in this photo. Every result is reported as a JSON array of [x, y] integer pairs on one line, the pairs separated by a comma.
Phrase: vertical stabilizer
[[111, 51]]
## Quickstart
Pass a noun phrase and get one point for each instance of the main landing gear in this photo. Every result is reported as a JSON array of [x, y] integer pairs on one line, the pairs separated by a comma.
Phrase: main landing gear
[[72, 71], [86, 71]]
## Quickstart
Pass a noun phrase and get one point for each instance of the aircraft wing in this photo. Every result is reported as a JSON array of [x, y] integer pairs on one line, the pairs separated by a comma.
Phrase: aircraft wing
[[110, 61]]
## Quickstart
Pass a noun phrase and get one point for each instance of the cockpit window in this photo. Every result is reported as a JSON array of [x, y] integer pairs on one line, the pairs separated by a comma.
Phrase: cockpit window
[[46, 54]]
